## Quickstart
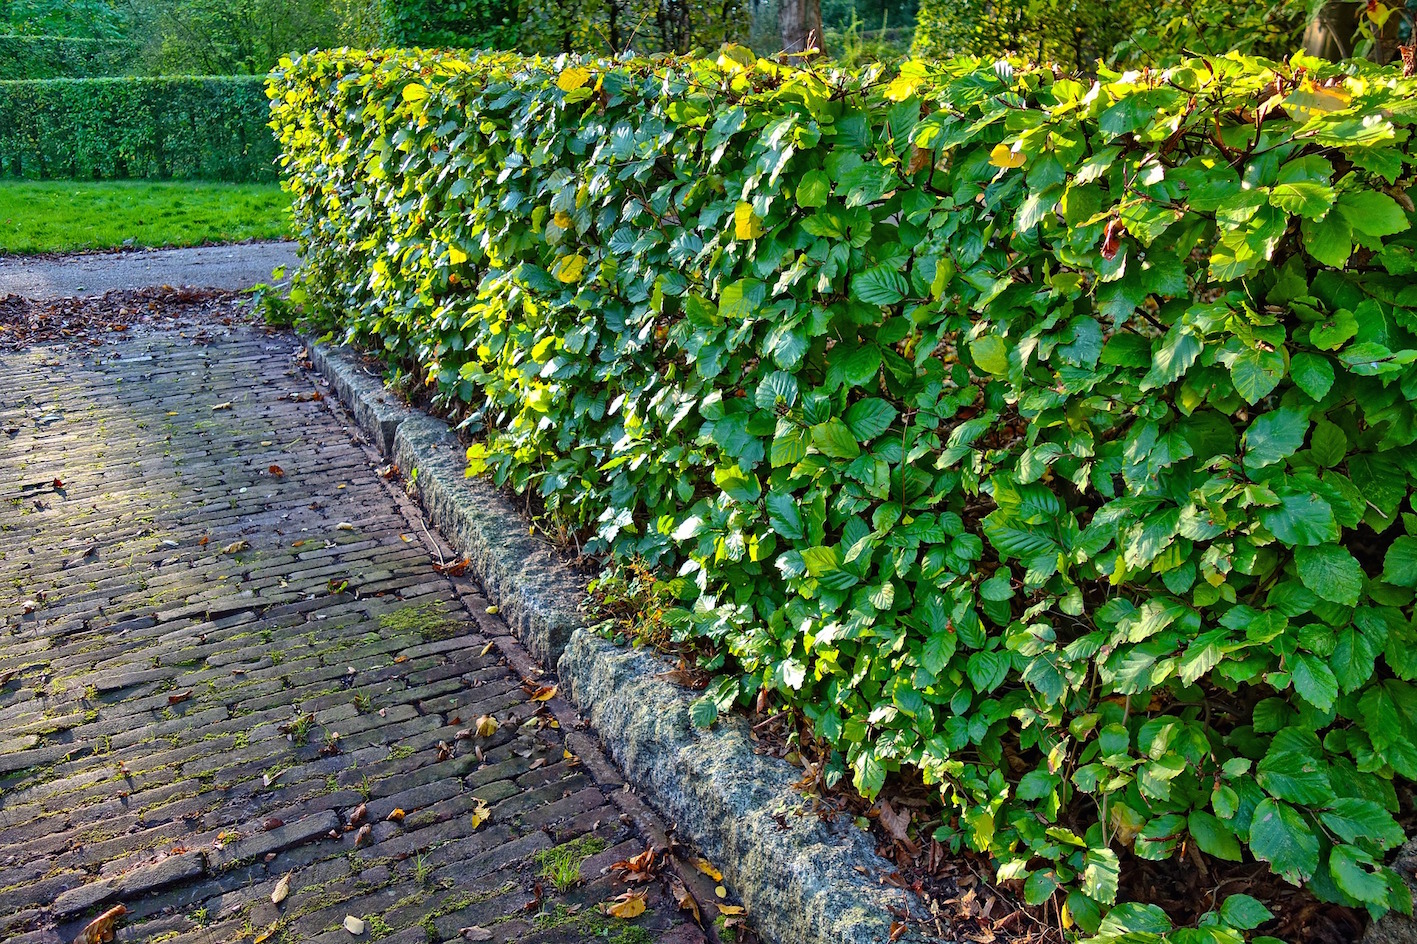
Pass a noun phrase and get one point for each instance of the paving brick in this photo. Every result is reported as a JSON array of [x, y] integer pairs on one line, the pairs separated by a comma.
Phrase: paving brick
[[120, 786]]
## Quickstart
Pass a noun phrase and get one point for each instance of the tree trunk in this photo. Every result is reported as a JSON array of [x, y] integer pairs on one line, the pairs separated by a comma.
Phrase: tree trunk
[[800, 23], [1330, 33]]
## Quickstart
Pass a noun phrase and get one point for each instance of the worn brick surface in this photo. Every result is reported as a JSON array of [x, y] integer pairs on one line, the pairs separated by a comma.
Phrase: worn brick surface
[[221, 635]]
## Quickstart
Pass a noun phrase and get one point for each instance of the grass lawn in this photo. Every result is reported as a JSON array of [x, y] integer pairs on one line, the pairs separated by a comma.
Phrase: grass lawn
[[65, 215]]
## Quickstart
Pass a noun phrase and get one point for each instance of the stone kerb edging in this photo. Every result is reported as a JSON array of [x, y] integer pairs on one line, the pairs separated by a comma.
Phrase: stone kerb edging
[[803, 880]]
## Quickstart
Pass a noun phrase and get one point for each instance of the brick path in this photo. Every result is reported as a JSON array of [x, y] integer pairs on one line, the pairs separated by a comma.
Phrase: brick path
[[214, 675]]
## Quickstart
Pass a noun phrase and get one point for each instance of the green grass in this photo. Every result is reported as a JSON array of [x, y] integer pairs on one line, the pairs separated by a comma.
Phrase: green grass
[[67, 215]]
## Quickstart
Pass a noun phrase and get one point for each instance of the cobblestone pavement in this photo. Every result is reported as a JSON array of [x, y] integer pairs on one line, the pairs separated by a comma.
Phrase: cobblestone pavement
[[227, 658]]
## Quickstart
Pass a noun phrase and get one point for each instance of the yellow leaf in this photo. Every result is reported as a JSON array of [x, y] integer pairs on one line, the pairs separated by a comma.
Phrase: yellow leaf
[[282, 889], [902, 88], [1003, 156], [1309, 100], [746, 223], [481, 814], [572, 79], [730, 910], [706, 867], [562, 219], [545, 693], [415, 92], [486, 726], [628, 905], [569, 268], [456, 256]]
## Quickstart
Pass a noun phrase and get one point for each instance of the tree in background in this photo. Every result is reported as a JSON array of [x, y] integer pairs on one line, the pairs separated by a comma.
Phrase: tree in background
[[799, 23], [85, 19]]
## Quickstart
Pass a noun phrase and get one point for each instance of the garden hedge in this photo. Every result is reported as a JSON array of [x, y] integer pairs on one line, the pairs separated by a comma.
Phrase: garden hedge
[[1050, 435], [187, 128], [63, 57]]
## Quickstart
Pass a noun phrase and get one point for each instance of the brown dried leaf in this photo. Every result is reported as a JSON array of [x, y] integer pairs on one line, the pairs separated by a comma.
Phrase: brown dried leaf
[[395, 816], [178, 698], [100, 929], [282, 889], [686, 899], [356, 815], [277, 471], [895, 824], [544, 693], [236, 547], [629, 905]]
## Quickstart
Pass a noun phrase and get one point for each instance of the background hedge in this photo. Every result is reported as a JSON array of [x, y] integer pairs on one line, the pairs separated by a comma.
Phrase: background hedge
[[63, 57], [188, 128], [1051, 435]]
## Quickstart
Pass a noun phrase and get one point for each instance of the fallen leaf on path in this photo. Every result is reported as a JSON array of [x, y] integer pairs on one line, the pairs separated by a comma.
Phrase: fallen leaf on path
[[364, 835], [178, 698], [277, 471], [487, 726], [282, 889], [896, 824], [100, 929], [476, 933], [222, 406], [267, 934], [204, 540], [638, 868], [456, 569], [354, 925], [356, 815], [492, 611], [730, 910], [706, 867], [686, 900], [628, 905], [344, 526], [58, 483], [544, 693], [395, 816], [274, 822], [481, 814], [486, 649], [236, 547]]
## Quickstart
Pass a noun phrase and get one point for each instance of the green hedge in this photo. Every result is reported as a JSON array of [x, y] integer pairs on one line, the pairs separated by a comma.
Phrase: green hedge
[[1051, 436], [63, 57], [186, 128]]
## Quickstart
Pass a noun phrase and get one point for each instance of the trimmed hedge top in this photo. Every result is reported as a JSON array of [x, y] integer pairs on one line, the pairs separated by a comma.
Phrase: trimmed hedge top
[[207, 128], [63, 57], [1050, 435]]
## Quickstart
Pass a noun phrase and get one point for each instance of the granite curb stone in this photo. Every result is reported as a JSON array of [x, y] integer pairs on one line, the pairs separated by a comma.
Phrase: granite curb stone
[[804, 881]]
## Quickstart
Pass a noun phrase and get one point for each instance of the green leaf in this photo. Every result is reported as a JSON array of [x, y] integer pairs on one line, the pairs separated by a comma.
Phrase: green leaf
[[991, 353], [1294, 776], [1275, 436], [1178, 351], [821, 560], [1243, 912], [1400, 563], [1312, 373], [1329, 240], [834, 439], [1330, 571], [1213, 836], [1314, 681], [987, 670], [880, 286], [703, 712], [1356, 820], [1308, 199], [1282, 837], [784, 517], [1334, 331], [1373, 213], [1100, 874], [813, 189], [1301, 520], [778, 388], [870, 418], [1346, 865], [738, 485], [1255, 373]]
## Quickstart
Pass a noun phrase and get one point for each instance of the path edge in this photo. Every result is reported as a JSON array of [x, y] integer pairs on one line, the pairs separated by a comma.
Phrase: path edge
[[803, 880]]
